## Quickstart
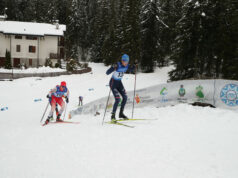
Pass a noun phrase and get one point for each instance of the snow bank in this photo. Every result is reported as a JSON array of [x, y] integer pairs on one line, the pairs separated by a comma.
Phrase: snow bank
[[33, 70]]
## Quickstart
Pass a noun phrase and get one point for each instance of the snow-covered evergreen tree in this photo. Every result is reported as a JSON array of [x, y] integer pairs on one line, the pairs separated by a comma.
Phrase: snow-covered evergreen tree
[[132, 37], [149, 15], [185, 49], [201, 49]]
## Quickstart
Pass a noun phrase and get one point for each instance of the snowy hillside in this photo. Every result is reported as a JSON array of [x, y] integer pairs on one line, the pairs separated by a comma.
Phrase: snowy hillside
[[181, 142]]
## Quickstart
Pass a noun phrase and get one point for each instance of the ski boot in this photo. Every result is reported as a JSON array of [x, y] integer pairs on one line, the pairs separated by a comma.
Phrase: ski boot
[[57, 111], [113, 118], [48, 120], [123, 116], [58, 118]]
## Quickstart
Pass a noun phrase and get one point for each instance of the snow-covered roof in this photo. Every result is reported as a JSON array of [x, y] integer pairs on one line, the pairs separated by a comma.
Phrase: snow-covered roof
[[31, 28]]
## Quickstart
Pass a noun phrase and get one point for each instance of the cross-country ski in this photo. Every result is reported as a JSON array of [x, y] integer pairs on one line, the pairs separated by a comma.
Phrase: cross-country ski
[[62, 122], [119, 123]]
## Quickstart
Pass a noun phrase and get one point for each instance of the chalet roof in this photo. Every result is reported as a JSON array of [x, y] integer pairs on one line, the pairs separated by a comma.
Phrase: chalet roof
[[31, 28]]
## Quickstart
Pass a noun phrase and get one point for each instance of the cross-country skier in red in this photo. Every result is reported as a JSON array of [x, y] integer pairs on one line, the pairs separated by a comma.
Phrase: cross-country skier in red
[[57, 95]]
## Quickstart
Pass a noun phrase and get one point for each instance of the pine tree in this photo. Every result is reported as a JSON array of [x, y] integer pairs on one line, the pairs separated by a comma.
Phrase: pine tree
[[149, 36], [26, 10], [12, 10], [8, 63], [206, 46], [186, 48], [62, 11], [80, 28], [109, 49], [226, 46], [169, 13], [98, 39], [2, 7], [132, 42], [100, 31]]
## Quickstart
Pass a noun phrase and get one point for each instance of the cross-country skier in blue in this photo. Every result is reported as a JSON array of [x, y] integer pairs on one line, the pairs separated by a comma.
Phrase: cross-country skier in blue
[[116, 85]]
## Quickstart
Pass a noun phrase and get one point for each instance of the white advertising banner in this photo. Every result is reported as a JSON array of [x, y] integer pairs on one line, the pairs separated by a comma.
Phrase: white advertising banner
[[219, 93]]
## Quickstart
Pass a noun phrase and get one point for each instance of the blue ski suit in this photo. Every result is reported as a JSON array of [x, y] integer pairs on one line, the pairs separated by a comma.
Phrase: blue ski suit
[[116, 84]]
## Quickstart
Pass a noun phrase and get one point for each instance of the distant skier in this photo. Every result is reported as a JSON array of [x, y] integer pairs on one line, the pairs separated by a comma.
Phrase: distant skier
[[56, 95], [116, 85], [80, 101]]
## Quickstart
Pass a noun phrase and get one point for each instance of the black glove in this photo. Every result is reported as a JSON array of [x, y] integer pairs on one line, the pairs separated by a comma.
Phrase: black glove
[[48, 96], [114, 66], [67, 99]]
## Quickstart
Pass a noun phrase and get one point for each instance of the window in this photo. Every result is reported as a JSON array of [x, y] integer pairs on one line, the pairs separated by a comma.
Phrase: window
[[31, 37], [18, 48], [18, 37], [32, 49]]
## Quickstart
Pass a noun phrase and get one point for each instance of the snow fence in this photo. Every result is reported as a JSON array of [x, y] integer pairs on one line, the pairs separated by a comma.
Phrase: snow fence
[[219, 93]]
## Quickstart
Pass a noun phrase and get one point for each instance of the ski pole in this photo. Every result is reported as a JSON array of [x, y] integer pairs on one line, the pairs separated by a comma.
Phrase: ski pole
[[45, 111], [134, 96], [106, 106]]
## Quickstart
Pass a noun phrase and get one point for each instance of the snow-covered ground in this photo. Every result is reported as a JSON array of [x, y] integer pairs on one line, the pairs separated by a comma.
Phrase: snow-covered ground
[[33, 70], [184, 141]]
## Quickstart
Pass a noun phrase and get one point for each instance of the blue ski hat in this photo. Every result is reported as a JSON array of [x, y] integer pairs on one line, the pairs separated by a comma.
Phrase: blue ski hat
[[125, 58]]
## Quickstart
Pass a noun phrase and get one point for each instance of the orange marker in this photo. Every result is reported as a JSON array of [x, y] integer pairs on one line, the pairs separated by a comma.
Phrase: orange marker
[[137, 98]]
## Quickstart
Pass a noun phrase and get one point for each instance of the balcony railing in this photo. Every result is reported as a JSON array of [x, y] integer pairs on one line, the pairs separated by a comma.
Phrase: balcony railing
[[54, 56]]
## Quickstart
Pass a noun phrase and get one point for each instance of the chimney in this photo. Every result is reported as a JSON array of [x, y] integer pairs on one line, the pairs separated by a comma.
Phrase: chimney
[[57, 24]]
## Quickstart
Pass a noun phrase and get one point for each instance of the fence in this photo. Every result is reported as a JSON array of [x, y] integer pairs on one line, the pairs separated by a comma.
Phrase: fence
[[219, 93]]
